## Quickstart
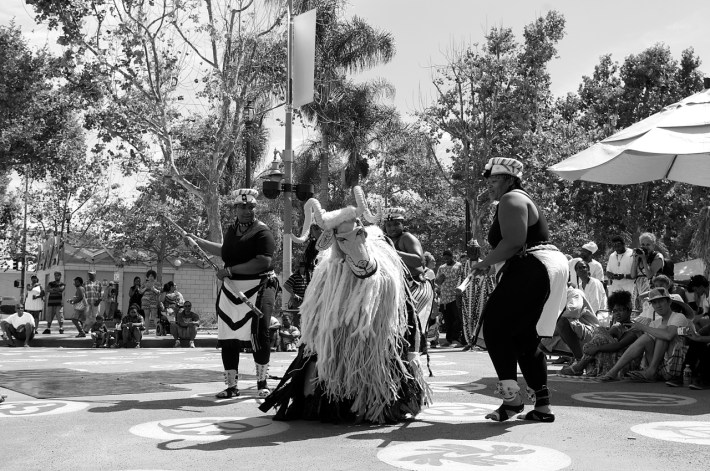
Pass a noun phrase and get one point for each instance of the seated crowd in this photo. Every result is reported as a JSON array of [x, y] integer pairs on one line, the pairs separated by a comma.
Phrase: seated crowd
[[658, 344]]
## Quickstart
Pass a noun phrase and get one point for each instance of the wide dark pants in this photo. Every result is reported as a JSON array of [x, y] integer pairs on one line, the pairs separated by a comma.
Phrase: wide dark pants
[[510, 318], [453, 322]]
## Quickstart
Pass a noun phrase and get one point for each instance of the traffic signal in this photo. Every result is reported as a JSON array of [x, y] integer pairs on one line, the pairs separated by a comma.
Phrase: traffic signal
[[17, 283], [15, 264]]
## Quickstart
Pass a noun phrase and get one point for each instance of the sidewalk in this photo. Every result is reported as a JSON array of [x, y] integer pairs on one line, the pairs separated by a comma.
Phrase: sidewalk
[[206, 338]]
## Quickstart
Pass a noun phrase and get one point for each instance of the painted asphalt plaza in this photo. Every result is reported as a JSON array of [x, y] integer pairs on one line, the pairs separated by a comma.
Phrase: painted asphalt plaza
[[153, 409]]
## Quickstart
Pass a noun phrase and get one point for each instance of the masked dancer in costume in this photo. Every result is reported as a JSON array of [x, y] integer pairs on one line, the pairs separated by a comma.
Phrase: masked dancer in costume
[[359, 357], [530, 294], [247, 252]]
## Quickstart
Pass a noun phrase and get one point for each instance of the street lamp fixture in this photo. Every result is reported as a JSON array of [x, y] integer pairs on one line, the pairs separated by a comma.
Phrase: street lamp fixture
[[273, 178], [273, 182]]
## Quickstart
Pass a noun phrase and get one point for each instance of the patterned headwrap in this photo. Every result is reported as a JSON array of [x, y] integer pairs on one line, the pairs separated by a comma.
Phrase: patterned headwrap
[[504, 166], [391, 214], [245, 195]]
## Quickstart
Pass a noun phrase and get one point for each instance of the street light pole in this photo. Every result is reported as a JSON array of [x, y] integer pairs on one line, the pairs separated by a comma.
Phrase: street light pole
[[288, 155]]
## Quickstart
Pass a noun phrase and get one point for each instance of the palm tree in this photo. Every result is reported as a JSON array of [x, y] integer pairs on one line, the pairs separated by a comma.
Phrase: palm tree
[[341, 47]]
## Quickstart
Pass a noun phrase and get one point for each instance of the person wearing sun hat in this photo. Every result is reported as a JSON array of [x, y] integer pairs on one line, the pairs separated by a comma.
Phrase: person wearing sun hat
[[530, 295], [410, 251], [659, 341], [247, 251]]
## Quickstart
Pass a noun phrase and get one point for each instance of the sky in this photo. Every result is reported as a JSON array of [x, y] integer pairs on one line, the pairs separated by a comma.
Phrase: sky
[[424, 30]]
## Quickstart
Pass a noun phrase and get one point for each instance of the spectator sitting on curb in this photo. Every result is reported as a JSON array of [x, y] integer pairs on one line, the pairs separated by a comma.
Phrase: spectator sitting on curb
[[185, 325], [659, 342], [289, 335], [575, 325], [132, 327], [116, 334], [99, 333], [274, 339], [18, 326], [607, 345]]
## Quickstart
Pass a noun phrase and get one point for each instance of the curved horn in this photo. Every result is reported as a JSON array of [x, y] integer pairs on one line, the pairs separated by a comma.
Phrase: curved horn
[[307, 221], [362, 207], [317, 211]]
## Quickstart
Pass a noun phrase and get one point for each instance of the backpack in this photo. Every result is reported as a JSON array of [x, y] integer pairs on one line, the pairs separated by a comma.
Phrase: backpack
[[668, 269]]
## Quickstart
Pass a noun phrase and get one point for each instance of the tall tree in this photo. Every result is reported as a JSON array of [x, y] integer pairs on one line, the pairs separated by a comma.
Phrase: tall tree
[[342, 47], [140, 56], [32, 106], [489, 98]]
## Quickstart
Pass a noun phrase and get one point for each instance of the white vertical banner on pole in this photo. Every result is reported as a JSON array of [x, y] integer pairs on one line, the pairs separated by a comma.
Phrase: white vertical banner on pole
[[304, 57]]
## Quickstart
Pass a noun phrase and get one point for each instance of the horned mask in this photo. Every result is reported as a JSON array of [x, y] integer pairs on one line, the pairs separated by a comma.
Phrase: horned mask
[[343, 226]]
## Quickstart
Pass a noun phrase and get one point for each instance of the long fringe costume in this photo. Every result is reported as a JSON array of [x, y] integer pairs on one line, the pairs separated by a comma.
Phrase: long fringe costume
[[360, 335]]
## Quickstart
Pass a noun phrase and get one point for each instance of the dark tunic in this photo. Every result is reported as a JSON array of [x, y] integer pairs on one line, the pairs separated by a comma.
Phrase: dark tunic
[[258, 240]]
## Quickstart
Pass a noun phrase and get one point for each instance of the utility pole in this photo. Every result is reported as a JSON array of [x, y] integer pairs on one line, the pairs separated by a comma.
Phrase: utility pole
[[288, 156]]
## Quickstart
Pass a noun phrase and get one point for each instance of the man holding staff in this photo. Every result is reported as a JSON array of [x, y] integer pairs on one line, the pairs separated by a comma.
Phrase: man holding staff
[[247, 253]]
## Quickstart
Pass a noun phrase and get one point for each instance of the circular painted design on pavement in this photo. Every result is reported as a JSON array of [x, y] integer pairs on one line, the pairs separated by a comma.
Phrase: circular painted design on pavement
[[467, 455], [441, 363], [455, 412], [625, 398], [453, 386], [697, 433], [98, 362], [450, 373], [210, 429], [36, 408]]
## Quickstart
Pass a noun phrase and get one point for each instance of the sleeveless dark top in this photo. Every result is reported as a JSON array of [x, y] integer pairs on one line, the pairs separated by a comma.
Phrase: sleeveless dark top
[[257, 240], [537, 233]]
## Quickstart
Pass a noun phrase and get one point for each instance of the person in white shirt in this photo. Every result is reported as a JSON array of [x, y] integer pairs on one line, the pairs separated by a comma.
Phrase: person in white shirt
[[618, 268], [657, 341], [34, 301], [592, 287], [595, 268], [19, 326]]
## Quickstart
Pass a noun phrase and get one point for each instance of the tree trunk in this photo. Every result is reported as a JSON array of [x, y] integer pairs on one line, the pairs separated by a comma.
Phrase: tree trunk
[[214, 222]]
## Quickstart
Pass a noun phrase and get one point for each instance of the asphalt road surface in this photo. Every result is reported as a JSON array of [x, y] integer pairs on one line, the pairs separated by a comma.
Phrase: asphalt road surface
[[153, 409]]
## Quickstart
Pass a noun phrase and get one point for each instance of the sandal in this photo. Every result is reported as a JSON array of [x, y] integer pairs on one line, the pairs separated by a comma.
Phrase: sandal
[[501, 413], [570, 371], [228, 393], [541, 398], [538, 416]]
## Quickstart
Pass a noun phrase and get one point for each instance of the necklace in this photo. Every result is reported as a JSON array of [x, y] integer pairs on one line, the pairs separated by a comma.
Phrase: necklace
[[242, 227]]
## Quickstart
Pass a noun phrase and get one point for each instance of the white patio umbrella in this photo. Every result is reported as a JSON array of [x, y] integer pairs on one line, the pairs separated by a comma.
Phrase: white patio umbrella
[[673, 144]]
